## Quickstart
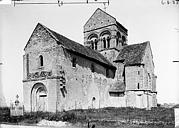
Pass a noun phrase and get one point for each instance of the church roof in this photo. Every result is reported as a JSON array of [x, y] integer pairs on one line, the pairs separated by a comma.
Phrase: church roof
[[78, 48], [118, 86], [132, 54]]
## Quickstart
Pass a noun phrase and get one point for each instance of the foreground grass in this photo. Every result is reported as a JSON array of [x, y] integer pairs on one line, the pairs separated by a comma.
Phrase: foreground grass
[[103, 118]]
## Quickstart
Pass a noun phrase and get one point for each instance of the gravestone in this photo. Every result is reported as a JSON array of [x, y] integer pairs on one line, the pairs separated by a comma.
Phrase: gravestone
[[16, 109]]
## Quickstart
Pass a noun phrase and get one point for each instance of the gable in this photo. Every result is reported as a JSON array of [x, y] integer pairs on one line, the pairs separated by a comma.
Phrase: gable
[[40, 39], [148, 59], [43, 38], [99, 19], [79, 49]]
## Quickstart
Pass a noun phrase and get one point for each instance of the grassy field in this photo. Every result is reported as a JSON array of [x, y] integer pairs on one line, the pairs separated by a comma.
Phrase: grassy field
[[103, 118]]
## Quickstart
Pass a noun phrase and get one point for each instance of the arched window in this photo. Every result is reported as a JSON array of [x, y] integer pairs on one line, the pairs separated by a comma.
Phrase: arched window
[[108, 41], [93, 39], [105, 35], [118, 38], [118, 35], [104, 42], [41, 60], [138, 86], [93, 99], [123, 38], [96, 44], [92, 45]]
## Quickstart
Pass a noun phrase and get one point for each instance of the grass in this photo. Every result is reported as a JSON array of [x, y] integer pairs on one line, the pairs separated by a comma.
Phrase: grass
[[104, 118]]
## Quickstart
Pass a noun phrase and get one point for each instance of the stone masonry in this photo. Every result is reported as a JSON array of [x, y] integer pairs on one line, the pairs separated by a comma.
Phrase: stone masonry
[[60, 74]]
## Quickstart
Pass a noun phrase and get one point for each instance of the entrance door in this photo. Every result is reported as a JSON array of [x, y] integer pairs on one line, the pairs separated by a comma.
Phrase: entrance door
[[39, 98]]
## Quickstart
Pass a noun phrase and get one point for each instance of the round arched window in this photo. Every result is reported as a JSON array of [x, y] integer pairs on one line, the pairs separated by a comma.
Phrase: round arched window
[[93, 39], [118, 38], [105, 35], [41, 60], [123, 38]]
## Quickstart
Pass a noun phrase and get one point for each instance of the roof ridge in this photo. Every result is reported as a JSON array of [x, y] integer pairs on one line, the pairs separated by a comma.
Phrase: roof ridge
[[137, 44], [57, 37], [132, 54]]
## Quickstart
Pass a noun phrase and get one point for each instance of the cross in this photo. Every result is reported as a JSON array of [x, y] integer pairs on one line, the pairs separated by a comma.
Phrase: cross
[[105, 7], [17, 96]]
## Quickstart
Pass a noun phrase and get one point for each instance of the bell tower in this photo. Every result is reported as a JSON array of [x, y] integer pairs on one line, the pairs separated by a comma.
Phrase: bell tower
[[103, 33]]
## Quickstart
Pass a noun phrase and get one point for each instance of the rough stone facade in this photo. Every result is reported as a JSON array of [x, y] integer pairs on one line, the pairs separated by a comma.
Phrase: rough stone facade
[[60, 74]]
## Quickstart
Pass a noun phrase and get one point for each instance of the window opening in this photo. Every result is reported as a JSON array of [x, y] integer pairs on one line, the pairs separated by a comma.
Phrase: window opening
[[74, 62], [108, 41], [138, 86], [96, 45], [104, 42], [41, 60], [92, 67]]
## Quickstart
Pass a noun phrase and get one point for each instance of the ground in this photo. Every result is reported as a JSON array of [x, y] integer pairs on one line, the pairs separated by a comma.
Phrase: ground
[[101, 118]]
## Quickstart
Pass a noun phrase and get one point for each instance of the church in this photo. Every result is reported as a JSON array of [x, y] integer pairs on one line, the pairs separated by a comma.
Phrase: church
[[60, 74]]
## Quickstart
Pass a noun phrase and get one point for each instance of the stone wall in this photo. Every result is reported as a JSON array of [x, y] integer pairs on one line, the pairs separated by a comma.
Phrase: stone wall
[[134, 78], [97, 20], [84, 88], [140, 83], [100, 22], [110, 54], [85, 83], [113, 31], [67, 87], [40, 44]]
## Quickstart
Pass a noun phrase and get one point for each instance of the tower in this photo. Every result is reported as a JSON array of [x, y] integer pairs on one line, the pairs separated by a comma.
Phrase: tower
[[102, 32]]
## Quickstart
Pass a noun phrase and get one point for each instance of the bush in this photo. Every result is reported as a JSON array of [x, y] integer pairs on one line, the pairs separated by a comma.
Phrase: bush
[[4, 114]]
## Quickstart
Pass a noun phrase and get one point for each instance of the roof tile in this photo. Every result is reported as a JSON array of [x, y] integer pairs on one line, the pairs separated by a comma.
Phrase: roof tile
[[132, 54], [78, 48]]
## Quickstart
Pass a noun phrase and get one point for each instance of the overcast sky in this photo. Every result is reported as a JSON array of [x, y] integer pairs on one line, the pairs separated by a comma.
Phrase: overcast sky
[[146, 20]]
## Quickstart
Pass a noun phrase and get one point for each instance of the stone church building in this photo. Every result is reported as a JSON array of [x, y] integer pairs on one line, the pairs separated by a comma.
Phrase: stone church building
[[61, 74]]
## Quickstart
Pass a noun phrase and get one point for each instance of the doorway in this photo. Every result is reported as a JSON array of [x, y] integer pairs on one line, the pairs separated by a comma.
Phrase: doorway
[[39, 98]]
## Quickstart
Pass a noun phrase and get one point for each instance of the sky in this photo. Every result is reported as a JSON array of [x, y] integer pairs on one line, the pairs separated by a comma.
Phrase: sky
[[146, 20]]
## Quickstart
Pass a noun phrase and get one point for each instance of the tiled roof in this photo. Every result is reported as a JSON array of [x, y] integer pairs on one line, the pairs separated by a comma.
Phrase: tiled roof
[[120, 25], [78, 48], [132, 54], [118, 86]]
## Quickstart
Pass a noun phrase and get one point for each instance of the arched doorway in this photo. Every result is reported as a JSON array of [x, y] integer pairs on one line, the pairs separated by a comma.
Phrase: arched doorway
[[39, 97]]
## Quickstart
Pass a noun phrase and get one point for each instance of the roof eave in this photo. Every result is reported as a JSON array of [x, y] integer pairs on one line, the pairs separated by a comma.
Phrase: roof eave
[[110, 66], [135, 64]]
